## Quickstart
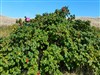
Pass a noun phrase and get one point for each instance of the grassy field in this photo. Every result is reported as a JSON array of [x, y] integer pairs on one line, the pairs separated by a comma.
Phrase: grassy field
[[6, 30]]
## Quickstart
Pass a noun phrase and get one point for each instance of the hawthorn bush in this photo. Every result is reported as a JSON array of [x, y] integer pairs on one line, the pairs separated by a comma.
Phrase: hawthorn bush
[[50, 44]]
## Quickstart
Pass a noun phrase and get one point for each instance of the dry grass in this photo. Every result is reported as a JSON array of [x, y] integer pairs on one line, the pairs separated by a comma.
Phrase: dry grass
[[9, 21], [5, 21], [6, 30], [94, 21]]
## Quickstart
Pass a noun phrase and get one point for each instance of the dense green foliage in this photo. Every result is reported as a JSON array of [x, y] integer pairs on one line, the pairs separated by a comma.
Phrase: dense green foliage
[[50, 44]]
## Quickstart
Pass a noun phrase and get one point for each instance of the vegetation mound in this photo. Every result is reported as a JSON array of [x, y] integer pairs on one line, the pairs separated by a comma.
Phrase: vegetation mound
[[50, 44]]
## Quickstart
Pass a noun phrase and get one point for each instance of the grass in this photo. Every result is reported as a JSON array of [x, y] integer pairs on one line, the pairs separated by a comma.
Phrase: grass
[[6, 30]]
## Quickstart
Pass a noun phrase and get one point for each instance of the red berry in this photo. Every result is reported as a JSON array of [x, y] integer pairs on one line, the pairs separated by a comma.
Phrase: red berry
[[63, 9], [27, 60], [38, 73]]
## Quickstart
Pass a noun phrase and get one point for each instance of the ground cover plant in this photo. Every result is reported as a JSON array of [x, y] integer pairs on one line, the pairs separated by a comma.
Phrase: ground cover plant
[[50, 44]]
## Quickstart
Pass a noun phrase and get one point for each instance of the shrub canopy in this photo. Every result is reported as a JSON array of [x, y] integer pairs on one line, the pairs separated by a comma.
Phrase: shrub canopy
[[50, 44]]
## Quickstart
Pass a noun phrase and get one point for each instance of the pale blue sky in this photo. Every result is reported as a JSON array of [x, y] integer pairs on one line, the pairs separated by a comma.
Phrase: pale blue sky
[[21, 8]]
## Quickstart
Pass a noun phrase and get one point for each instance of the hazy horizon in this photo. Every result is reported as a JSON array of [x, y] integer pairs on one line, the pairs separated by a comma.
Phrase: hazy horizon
[[34, 17]]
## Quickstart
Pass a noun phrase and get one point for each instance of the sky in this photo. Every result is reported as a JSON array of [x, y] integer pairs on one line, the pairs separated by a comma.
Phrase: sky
[[29, 8]]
